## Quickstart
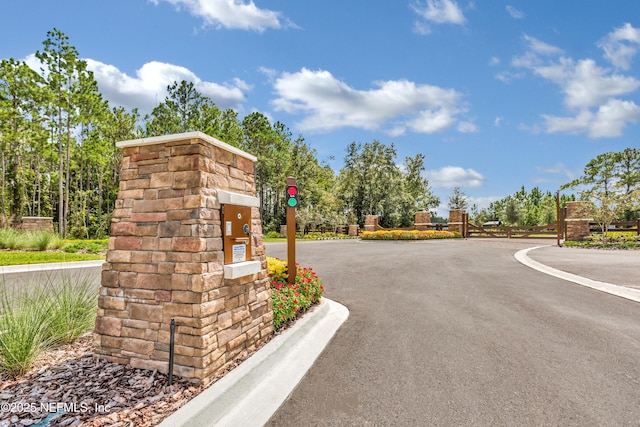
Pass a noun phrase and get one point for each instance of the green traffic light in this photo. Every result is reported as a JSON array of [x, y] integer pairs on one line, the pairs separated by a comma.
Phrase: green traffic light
[[292, 202]]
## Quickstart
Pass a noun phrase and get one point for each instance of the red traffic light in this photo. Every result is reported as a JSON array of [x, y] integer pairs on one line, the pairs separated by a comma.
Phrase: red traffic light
[[292, 190]]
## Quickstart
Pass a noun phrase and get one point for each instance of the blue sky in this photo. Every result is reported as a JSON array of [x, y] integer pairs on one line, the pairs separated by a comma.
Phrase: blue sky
[[496, 94]]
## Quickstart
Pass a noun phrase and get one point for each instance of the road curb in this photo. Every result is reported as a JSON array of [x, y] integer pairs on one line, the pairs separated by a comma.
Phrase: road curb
[[620, 291], [251, 393], [30, 268]]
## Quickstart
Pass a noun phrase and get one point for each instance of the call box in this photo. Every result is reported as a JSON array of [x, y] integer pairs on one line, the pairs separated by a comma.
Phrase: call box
[[236, 231]]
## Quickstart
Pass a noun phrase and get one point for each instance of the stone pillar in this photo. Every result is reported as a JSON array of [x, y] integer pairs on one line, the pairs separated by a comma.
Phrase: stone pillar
[[371, 223], [165, 260], [354, 230], [577, 220], [422, 220], [456, 220], [283, 230], [36, 223]]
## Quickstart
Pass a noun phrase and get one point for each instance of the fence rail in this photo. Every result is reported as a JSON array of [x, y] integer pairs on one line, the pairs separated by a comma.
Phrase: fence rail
[[548, 231], [617, 226]]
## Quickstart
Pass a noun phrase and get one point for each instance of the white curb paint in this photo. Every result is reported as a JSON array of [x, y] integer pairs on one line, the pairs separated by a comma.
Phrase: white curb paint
[[621, 291], [28, 268], [251, 393]]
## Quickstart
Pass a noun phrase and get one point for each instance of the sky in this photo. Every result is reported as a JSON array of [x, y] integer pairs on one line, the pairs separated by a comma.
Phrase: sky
[[496, 94]]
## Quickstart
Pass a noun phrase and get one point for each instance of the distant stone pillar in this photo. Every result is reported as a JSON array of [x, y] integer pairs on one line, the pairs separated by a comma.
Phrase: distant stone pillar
[[577, 220], [166, 260], [283, 230], [422, 220], [456, 220], [354, 229], [36, 223], [371, 223]]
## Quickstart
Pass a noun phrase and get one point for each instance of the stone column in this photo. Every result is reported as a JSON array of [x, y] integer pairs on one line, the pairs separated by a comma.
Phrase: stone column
[[354, 230], [165, 260], [371, 223], [422, 220], [577, 220], [456, 220]]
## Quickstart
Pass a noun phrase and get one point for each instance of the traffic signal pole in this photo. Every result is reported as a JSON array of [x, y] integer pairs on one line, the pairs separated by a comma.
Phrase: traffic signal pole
[[292, 202]]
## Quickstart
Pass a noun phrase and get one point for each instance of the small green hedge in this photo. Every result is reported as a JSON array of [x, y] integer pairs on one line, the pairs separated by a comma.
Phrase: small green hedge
[[408, 235]]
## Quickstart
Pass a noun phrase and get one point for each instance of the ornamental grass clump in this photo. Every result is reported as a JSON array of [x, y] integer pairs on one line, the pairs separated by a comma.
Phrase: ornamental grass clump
[[12, 239], [291, 299], [22, 330], [36, 317], [43, 240], [73, 307], [408, 235]]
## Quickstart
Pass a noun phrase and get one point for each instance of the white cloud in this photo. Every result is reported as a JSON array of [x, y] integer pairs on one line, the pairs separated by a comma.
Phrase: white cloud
[[396, 106], [149, 86], [621, 45], [591, 93], [542, 48], [482, 202], [467, 127], [508, 76], [609, 121], [515, 13], [454, 176], [498, 121], [494, 61], [557, 169], [437, 12], [584, 83], [232, 14]]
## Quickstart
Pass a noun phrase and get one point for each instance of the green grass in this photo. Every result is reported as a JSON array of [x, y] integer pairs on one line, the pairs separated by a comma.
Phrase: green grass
[[36, 317], [599, 245], [17, 258], [274, 239], [92, 246]]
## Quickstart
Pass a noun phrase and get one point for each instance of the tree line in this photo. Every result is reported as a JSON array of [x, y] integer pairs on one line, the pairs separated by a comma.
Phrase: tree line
[[610, 182], [58, 156]]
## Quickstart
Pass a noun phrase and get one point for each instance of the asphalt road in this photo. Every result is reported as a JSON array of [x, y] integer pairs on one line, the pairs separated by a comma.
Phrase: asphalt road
[[458, 333]]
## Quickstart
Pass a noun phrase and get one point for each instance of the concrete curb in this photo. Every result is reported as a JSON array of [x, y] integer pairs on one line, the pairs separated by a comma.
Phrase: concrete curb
[[621, 291], [28, 268], [250, 394]]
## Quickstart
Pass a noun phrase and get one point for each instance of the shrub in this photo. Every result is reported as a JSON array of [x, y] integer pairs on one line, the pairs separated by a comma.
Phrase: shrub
[[329, 235], [91, 246], [408, 235], [290, 299], [272, 235]]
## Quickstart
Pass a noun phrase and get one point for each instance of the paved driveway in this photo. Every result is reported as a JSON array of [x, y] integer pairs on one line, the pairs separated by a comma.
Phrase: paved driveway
[[459, 333]]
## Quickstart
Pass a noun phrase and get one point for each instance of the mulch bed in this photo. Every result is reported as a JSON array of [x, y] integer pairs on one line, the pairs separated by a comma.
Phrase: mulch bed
[[68, 387]]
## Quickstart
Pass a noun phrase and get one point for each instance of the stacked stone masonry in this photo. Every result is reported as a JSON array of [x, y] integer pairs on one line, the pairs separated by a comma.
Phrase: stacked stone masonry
[[371, 223], [577, 220], [33, 223], [456, 220], [165, 261], [422, 220]]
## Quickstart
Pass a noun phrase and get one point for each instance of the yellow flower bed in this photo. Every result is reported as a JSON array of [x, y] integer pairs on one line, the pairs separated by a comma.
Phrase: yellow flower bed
[[408, 235]]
